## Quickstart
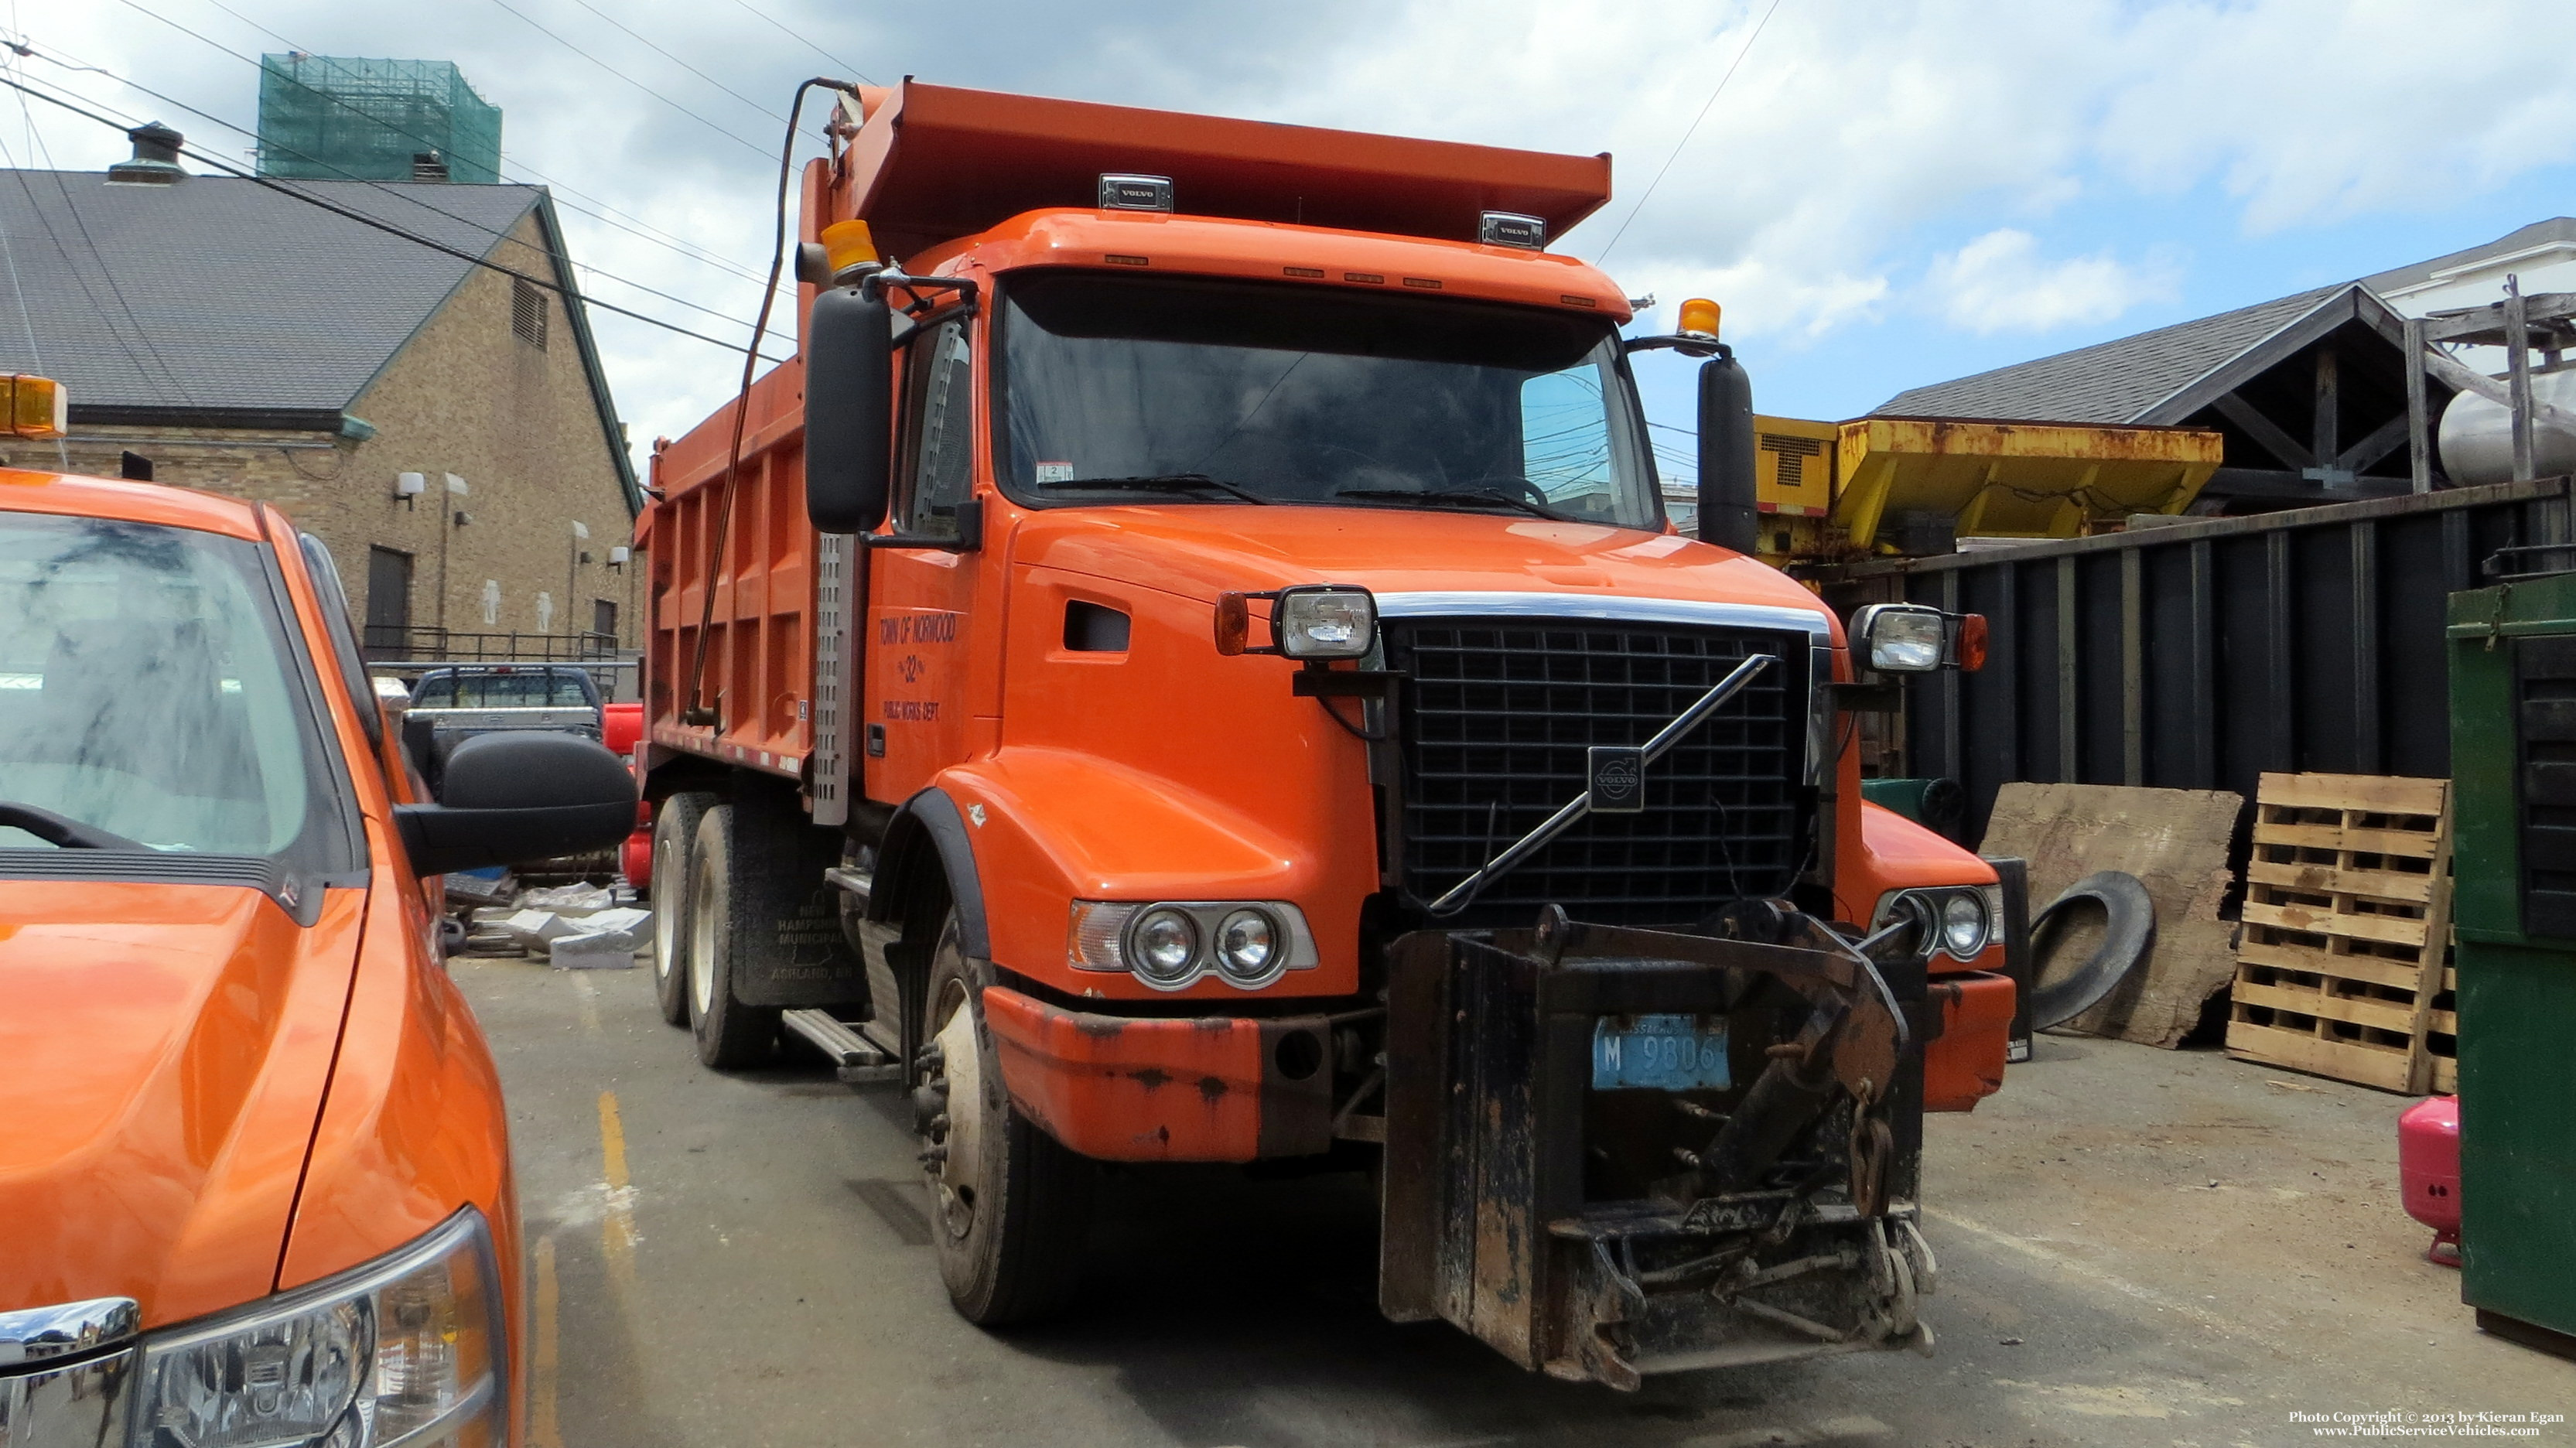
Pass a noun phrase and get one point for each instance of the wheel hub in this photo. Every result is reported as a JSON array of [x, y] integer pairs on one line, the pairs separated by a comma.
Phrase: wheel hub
[[955, 1159]]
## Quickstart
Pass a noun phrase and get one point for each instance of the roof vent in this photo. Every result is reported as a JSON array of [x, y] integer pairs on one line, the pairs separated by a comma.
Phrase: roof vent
[[428, 166], [155, 161]]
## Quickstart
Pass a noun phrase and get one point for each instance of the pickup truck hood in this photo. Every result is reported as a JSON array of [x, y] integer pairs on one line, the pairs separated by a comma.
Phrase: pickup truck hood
[[1202, 550], [167, 1046]]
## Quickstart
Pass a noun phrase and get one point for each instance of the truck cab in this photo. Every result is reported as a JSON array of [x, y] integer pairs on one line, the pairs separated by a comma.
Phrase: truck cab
[[1197, 614], [260, 1189]]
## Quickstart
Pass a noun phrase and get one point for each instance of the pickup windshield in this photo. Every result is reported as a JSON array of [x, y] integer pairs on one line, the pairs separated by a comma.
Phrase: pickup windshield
[[1111, 387], [510, 689], [148, 694]]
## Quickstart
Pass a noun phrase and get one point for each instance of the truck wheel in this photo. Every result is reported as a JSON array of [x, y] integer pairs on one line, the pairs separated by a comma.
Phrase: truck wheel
[[730, 1034], [675, 830], [1011, 1206]]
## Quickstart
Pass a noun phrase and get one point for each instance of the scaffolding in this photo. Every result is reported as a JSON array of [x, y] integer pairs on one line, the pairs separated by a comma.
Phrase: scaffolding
[[331, 118]]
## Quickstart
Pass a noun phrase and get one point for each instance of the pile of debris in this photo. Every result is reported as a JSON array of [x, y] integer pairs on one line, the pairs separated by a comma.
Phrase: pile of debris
[[576, 927]]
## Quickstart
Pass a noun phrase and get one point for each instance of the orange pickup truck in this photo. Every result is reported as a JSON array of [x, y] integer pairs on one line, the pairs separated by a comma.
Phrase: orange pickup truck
[[257, 1187]]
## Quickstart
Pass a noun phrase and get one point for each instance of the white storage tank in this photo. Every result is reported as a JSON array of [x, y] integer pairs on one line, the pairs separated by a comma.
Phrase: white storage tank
[[2477, 435]]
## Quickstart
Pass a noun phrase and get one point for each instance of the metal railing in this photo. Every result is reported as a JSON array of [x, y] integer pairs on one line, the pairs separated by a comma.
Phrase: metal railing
[[389, 646]]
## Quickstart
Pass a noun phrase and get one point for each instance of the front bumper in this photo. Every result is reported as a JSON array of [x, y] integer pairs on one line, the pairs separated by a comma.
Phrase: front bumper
[[1208, 1088]]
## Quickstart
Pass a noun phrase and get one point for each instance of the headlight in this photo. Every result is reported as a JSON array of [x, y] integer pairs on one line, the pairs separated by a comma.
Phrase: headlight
[[1326, 622], [1963, 924], [1246, 944], [409, 1347], [1163, 947], [1901, 638], [1962, 919], [1171, 945]]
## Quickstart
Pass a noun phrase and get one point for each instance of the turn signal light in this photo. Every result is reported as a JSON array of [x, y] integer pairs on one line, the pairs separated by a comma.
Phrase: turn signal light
[[1233, 623], [1699, 317], [1970, 650], [37, 406]]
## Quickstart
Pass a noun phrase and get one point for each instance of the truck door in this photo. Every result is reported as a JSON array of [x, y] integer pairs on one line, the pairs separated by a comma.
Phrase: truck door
[[920, 600]]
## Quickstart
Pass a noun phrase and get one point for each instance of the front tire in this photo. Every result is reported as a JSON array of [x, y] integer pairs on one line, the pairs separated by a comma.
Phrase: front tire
[[730, 1034], [675, 830], [1010, 1206]]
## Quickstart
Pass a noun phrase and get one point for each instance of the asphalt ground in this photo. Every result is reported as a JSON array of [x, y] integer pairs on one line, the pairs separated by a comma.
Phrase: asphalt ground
[[2138, 1247]]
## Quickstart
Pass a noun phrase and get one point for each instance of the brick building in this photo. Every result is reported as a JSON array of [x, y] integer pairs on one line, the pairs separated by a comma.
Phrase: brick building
[[443, 426]]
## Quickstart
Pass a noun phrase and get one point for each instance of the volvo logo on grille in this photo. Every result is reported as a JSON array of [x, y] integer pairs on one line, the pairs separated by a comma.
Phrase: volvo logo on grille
[[1618, 779]]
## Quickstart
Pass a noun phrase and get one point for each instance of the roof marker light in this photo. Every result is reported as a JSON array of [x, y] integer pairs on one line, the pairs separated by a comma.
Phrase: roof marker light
[[1124, 192], [1510, 228], [37, 406]]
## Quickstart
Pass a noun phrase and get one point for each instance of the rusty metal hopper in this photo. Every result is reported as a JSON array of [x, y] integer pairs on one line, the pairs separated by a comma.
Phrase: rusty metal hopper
[[2015, 479]]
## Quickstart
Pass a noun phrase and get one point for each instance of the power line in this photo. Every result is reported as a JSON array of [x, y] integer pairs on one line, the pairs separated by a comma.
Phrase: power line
[[1745, 50], [406, 196], [570, 296], [682, 64], [801, 39], [751, 146], [640, 229]]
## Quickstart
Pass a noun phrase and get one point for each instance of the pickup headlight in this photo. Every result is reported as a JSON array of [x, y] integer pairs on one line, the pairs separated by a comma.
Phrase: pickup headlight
[[410, 1348]]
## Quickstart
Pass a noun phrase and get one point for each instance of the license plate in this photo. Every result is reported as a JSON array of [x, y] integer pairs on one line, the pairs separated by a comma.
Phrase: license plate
[[1659, 1053]]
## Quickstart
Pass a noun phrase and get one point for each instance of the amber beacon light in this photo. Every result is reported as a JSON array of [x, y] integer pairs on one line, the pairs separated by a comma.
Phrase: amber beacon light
[[38, 406]]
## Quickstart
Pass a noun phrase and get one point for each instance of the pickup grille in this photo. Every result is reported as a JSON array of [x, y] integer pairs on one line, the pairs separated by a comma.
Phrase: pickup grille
[[1497, 715]]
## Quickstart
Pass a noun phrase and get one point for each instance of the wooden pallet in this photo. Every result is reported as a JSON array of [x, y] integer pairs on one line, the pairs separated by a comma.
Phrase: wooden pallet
[[2347, 909]]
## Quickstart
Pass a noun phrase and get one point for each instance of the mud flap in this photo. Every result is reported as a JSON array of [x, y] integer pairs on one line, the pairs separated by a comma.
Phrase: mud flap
[[1604, 1234]]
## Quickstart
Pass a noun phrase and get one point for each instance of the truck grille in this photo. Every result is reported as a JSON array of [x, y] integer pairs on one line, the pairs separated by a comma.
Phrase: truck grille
[[1497, 715]]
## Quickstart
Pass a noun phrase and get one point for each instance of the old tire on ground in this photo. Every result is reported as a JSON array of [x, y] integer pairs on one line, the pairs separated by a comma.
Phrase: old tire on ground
[[724, 917], [1010, 1207], [2128, 932], [675, 833]]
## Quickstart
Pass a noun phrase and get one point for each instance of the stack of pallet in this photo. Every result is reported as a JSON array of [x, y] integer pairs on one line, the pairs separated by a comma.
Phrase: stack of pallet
[[2344, 968]]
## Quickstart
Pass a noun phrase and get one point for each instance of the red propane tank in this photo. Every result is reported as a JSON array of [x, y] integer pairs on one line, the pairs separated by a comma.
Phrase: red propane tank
[[2428, 1172]]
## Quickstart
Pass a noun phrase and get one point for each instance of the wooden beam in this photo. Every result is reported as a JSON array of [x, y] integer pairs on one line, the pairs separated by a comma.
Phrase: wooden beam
[[2264, 430], [2462, 379], [2517, 358], [2278, 484], [2256, 360], [2383, 440], [2419, 426], [2325, 422]]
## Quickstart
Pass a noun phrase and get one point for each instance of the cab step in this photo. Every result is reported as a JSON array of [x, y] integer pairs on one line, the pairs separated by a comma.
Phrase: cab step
[[861, 1059]]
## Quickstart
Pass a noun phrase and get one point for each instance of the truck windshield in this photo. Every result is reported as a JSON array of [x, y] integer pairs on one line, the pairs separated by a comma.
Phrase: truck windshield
[[1120, 388], [147, 692], [515, 689]]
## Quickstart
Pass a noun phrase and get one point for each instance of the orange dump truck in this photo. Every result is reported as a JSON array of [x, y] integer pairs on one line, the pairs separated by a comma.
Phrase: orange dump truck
[[1188, 663], [255, 1186]]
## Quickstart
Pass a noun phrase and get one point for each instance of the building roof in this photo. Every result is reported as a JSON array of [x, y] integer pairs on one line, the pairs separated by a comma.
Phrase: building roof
[[2540, 238], [224, 301], [2121, 381]]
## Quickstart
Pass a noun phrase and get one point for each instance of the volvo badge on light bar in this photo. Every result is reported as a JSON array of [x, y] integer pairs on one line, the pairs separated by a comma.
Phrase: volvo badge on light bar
[[1119, 192], [1510, 228]]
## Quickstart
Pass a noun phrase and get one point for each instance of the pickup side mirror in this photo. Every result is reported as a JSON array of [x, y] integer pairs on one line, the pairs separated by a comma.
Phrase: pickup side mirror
[[519, 795], [849, 409]]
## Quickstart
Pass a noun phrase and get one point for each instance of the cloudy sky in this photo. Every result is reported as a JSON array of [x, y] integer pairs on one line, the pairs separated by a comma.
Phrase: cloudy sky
[[1883, 194]]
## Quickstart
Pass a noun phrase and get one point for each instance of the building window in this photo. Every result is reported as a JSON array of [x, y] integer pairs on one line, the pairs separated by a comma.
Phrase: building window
[[603, 618], [528, 312]]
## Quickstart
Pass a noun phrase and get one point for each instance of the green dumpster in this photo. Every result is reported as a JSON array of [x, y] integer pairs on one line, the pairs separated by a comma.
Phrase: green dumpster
[[2513, 762]]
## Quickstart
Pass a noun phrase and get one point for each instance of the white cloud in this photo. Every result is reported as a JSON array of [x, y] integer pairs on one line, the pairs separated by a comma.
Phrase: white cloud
[[2000, 283], [1858, 136]]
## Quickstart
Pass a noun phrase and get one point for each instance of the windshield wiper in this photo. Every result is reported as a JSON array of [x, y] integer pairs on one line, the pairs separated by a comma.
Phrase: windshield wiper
[[62, 832], [1454, 498], [1160, 483]]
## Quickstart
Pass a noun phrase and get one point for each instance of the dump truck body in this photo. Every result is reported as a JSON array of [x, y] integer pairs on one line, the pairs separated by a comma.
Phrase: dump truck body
[[1267, 587]]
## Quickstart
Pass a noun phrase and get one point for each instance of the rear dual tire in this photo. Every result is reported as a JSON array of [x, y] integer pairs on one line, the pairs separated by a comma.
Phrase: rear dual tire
[[730, 1035], [675, 832]]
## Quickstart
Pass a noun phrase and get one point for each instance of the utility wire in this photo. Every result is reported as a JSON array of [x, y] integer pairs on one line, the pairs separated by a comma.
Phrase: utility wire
[[801, 39], [1642, 197], [569, 295], [404, 196], [752, 146], [682, 64], [640, 229]]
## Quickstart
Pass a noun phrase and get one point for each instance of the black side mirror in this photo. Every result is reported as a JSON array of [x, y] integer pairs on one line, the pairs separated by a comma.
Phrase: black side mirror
[[519, 795], [1728, 516], [849, 409]]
